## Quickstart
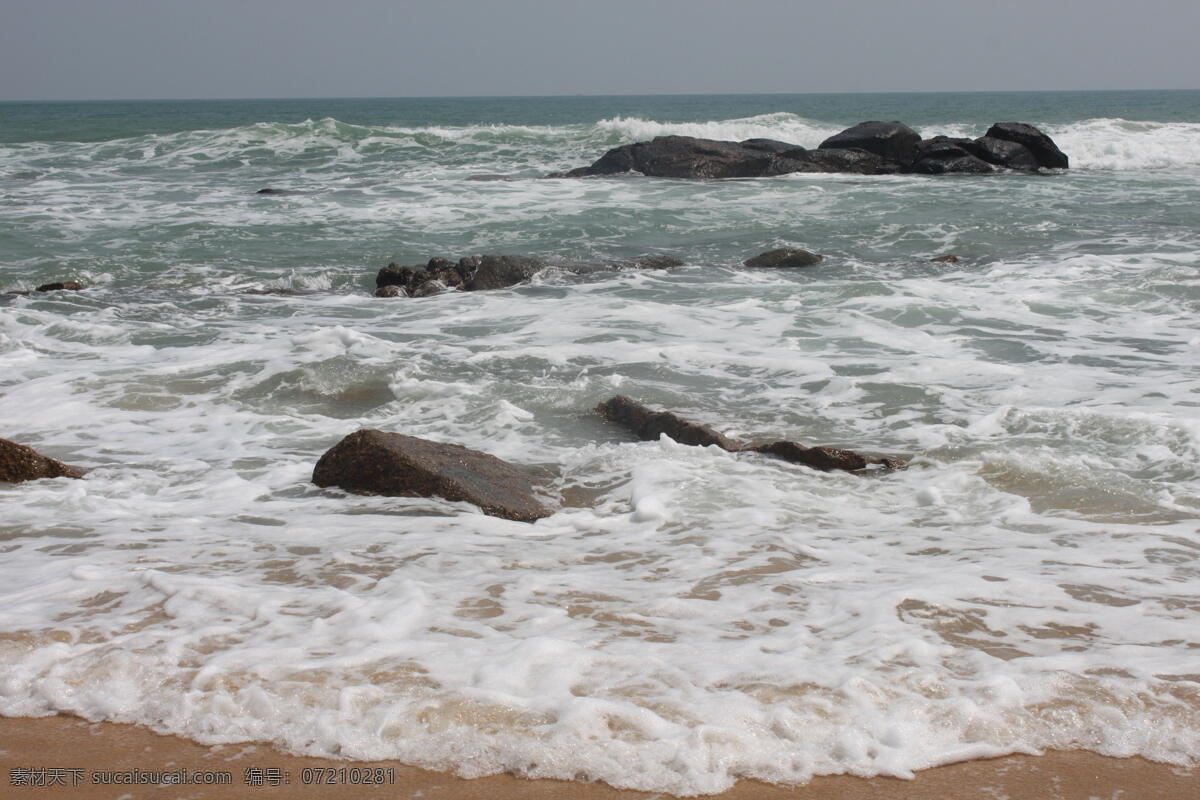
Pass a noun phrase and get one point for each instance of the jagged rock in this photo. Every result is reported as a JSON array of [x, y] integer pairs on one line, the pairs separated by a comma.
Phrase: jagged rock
[[649, 425], [943, 155], [1002, 153], [946, 259], [869, 148], [893, 141], [497, 272], [67, 286], [783, 257], [376, 462], [821, 457], [20, 463], [391, 290], [1042, 146]]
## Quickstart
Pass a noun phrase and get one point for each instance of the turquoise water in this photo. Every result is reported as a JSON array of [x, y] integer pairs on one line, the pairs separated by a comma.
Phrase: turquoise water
[[686, 617]]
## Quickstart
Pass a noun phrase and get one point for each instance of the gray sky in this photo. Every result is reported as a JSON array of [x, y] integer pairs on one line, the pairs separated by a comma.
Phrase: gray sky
[[109, 49]]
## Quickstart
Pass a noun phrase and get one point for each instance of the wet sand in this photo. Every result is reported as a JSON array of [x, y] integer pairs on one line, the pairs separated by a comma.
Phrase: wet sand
[[73, 753]]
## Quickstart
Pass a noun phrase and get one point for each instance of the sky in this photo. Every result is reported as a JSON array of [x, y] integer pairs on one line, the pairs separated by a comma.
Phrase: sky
[[134, 49]]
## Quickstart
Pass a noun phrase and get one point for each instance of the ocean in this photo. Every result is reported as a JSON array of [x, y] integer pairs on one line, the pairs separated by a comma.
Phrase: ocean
[[688, 616]]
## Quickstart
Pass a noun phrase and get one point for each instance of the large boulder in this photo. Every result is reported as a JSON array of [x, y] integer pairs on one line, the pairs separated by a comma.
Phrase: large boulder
[[20, 463], [376, 462], [942, 155], [893, 141], [1002, 153], [783, 257], [1042, 146]]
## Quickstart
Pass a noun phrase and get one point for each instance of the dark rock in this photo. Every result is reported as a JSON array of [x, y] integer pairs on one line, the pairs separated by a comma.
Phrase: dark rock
[[269, 190], [429, 288], [822, 457], [391, 290], [1042, 146], [769, 145], [497, 272], [783, 257], [648, 425], [689, 157], [68, 286], [281, 292], [651, 262], [1002, 153], [20, 463], [893, 141], [857, 162], [942, 155], [375, 462], [946, 259]]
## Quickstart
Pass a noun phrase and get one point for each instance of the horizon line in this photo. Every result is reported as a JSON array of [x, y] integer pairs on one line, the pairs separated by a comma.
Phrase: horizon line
[[564, 95]]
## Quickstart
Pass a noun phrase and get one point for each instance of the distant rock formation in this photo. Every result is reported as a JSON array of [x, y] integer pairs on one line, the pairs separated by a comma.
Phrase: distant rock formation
[[784, 257], [869, 148], [489, 272], [377, 462], [648, 425], [20, 463]]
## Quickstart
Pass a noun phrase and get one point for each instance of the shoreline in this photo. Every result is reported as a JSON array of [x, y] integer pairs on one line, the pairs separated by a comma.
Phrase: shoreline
[[34, 750]]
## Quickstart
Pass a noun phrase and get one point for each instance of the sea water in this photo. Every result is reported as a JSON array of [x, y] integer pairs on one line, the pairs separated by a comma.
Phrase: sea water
[[687, 616]]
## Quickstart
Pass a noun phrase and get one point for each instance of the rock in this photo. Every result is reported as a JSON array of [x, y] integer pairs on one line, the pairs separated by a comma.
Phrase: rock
[[946, 259], [391, 290], [497, 272], [20, 463], [375, 462], [269, 190], [649, 425], [869, 148], [942, 155], [783, 257], [1042, 146], [857, 162], [893, 141], [1002, 153], [650, 262], [67, 286], [822, 457], [769, 145]]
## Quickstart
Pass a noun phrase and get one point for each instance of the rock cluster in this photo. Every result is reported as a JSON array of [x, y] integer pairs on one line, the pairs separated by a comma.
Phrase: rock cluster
[[20, 463], [649, 425], [468, 274], [869, 148]]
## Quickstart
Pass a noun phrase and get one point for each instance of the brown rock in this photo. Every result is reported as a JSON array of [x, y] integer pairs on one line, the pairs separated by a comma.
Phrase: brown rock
[[20, 463], [375, 462], [69, 286], [648, 425], [822, 457], [947, 259]]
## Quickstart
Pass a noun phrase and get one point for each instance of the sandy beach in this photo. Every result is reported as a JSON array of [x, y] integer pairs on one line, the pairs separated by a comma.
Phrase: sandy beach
[[55, 757]]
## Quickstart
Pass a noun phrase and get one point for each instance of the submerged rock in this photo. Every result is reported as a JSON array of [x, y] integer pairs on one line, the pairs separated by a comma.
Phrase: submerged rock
[[946, 259], [376, 462], [783, 257], [20, 463], [648, 425], [62, 286]]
